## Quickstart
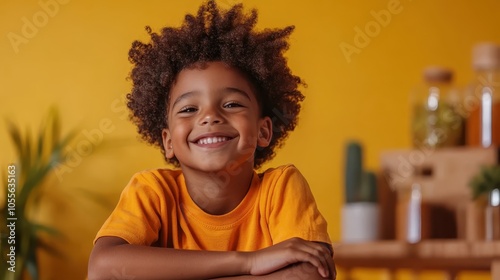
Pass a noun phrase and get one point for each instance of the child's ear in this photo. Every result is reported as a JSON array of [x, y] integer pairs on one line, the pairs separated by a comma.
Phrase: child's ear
[[265, 132], [167, 143]]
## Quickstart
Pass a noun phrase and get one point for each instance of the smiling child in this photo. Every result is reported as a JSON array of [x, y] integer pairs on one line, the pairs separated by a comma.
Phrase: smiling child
[[217, 97]]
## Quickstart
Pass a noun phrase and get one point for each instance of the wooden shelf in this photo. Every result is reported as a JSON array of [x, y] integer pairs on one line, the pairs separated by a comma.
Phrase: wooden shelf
[[444, 187], [446, 255]]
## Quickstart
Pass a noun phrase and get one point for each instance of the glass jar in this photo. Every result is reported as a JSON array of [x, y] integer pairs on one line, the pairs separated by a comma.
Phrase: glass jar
[[483, 97], [436, 121]]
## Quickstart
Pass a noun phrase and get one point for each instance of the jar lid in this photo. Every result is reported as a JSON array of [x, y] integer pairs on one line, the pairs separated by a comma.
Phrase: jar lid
[[486, 56], [433, 74]]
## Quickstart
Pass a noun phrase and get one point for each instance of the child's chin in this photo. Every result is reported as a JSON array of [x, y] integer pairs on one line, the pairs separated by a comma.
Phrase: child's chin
[[223, 167]]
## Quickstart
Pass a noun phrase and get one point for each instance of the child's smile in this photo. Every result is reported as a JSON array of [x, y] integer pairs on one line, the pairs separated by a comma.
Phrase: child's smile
[[212, 141], [214, 119]]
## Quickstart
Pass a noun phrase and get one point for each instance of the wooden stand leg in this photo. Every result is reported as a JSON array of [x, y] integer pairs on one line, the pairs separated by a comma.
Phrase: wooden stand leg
[[450, 275], [415, 275], [346, 274], [495, 270], [391, 274]]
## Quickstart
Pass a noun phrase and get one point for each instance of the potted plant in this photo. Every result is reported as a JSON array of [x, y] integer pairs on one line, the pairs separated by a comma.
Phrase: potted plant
[[37, 156], [484, 208], [487, 180]]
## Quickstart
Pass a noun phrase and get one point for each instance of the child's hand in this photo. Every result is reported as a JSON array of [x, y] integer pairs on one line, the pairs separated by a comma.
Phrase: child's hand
[[291, 251]]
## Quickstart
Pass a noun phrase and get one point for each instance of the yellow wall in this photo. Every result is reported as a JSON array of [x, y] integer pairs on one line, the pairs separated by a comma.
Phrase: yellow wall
[[73, 53]]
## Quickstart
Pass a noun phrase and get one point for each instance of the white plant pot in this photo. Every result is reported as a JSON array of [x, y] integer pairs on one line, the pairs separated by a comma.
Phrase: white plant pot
[[360, 222]]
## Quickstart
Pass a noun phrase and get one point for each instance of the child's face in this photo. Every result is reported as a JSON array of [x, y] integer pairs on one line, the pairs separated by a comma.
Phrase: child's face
[[214, 119]]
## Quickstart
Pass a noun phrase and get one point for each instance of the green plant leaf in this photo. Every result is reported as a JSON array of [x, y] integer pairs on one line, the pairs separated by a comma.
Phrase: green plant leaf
[[34, 179], [20, 264], [5, 189], [55, 127], [28, 150], [39, 227], [32, 262], [15, 136], [26, 246], [50, 249], [40, 141], [486, 180]]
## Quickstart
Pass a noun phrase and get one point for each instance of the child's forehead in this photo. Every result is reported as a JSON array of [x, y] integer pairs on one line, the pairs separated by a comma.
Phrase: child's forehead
[[214, 78], [214, 74], [216, 65]]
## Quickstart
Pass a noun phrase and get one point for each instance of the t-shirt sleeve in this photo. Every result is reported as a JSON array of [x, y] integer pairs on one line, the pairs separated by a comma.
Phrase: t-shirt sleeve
[[293, 210], [136, 218]]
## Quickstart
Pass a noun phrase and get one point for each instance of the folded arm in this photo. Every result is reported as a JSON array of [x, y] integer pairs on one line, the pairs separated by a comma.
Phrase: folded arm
[[299, 271], [114, 258]]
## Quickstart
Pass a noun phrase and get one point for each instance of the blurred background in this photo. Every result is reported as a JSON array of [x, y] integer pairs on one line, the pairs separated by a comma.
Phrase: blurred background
[[72, 54]]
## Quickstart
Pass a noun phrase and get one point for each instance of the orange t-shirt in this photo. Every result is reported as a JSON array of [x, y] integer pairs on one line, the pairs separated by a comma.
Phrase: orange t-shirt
[[155, 209]]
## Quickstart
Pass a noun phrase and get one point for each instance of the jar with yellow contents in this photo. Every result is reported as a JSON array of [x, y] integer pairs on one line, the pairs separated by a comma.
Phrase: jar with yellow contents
[[436, 119]]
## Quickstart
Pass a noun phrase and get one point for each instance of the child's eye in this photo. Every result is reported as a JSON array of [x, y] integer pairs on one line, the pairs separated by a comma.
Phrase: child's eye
[[188, 109], [232, 104]]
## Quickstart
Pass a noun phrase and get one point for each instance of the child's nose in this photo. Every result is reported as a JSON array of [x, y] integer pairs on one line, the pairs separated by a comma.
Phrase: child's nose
[[211, 116]]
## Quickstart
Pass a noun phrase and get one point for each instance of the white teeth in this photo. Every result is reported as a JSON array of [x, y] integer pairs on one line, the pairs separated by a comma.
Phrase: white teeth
[[212, 140]]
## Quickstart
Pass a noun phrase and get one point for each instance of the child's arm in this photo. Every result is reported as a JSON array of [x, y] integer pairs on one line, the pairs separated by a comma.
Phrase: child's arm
[[114, 258], [297, 271], [303, 270]]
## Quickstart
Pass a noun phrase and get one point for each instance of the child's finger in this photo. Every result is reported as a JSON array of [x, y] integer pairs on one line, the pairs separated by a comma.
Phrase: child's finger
[[327, 268], [319, 256], [328, 265], [331, 267]]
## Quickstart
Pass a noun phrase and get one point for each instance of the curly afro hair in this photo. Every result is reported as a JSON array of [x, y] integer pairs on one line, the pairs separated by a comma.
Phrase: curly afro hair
[[215, 35]]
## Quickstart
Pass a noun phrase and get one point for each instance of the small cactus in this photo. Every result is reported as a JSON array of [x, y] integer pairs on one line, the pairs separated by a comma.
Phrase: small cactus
[[360, 185], [353, 171]]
